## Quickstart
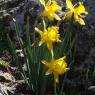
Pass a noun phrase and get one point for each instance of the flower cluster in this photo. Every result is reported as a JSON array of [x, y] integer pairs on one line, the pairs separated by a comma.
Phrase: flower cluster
[[51, 34]]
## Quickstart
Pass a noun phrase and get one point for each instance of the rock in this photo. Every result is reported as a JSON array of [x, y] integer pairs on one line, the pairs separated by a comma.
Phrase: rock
[[91, 90], [5, 89], [16, 9], [6, 76]]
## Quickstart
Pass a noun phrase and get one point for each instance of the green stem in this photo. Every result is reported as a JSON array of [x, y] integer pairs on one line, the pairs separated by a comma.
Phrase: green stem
[[94, 72], [55, 93], [35, 58], [52, 53], [69, 52], [16, 59]]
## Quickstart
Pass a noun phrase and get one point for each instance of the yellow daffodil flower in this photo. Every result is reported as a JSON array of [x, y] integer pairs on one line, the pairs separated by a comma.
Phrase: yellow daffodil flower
[[50, 8], [56, 67], [75, 12], [49, 36]]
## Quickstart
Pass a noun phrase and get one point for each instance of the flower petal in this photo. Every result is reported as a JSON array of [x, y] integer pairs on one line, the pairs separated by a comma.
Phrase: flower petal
[[81, 9], [44, 62], [79, 20], [62, 58], [38, 30], [42, 2], [48, 3], [56, 17], [40, 43], [69, 4], [48, 72], [68, 15]]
